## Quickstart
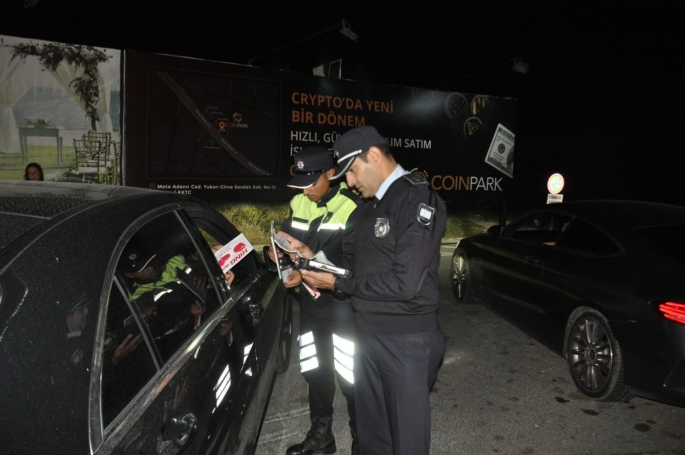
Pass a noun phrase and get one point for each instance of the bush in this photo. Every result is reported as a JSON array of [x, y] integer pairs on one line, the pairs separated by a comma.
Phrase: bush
[[459, 227], [254, 220]]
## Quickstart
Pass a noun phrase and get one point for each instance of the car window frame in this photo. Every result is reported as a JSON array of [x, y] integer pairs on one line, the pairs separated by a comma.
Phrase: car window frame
[[124, 422], [105, 440]]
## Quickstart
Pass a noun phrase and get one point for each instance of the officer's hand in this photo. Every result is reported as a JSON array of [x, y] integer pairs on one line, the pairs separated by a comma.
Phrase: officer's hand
[[270, 253], [298, 246], [294, 279], [321, 280]]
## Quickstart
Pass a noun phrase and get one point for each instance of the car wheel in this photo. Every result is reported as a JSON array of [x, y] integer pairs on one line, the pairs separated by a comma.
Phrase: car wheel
[[286, 340], [594, 357], [461, 276]]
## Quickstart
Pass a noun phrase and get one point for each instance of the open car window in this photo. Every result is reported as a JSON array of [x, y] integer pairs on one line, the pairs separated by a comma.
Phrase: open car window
[[237, 253], [169, 282], [166, 287]]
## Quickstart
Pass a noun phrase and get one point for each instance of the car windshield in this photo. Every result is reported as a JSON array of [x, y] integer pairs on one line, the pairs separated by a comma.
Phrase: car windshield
[[667, 239]]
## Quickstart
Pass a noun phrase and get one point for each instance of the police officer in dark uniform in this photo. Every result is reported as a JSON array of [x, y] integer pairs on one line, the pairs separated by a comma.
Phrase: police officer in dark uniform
[[394, 256], [319, 217]]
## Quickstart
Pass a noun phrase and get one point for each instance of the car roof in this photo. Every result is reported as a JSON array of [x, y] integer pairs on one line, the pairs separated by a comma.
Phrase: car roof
[[48, 199], [35, 206], [632, 214]]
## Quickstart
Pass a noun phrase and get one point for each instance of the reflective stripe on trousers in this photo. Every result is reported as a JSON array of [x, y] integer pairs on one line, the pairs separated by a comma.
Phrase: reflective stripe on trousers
[[343, 354], [308, 360]]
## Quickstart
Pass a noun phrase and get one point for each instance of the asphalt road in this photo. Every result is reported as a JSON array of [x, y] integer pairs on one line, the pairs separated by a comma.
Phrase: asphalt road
[[498, 392]]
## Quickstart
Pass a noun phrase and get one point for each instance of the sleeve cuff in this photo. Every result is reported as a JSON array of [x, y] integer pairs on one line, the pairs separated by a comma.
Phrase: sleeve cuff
[[341, 286]]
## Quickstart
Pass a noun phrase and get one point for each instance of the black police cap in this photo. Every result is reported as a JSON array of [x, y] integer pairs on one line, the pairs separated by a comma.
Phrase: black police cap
[[352, 143]]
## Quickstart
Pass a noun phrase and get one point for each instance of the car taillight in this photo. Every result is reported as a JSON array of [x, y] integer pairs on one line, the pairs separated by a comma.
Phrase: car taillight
[[671, 310]]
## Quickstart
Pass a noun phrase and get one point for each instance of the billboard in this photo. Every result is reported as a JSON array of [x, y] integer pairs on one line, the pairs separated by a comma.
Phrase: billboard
[[51, 95], [227, 132]]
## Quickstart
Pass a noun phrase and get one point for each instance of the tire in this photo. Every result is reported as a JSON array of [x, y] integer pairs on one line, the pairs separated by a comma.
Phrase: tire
[[285, 342], [594, 357], [460, 274]]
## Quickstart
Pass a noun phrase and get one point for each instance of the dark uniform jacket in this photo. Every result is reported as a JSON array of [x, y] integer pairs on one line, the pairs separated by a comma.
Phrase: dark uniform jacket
[[394, 253], [320, 226]]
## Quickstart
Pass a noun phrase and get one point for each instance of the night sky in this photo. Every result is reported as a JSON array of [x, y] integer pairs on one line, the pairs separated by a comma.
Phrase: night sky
[[602, 102]]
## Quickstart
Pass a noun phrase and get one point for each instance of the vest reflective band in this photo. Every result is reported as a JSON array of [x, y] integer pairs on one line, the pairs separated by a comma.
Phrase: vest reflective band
[[343, 355], [332, 226], [167, 276], [333, 215], [302, 226], [308, 360], [328, 226]]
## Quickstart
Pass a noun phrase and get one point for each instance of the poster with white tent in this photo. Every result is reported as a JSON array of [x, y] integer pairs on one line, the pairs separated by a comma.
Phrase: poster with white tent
[[60, 108]]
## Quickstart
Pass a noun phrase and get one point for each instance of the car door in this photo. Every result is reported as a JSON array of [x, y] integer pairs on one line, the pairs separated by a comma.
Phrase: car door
[[177, 362], [512, 265], [267, 306]]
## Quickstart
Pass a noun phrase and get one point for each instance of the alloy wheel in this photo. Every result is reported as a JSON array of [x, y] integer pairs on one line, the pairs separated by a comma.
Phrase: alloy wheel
[[591, 356]]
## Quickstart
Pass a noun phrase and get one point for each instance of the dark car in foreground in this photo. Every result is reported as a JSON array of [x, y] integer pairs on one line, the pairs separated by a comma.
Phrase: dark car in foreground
[[599, 282], [120, 332]]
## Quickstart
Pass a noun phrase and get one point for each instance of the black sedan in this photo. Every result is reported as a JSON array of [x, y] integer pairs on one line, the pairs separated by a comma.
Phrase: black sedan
[[599, 282], [121, 332]]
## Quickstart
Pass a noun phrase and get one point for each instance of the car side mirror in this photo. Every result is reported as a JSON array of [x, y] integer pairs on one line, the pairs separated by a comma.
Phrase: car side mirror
[[495, 230]]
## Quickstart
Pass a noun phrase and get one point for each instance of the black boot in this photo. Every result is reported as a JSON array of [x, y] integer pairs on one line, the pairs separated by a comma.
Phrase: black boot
[[319, 439], [355, 446]]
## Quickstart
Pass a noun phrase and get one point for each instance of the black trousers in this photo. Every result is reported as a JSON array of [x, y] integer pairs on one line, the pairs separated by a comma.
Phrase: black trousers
[[393, 378], [321, 361]]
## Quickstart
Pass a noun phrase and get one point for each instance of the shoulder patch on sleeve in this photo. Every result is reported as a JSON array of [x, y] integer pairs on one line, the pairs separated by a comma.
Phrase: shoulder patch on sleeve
[[425, 214]]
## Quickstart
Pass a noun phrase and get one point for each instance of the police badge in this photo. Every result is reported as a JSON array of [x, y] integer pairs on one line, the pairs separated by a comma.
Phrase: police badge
[[382, 227]]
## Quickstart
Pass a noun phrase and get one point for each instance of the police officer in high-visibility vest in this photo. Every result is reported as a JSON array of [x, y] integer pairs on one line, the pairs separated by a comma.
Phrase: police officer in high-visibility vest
[[318, 217]]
